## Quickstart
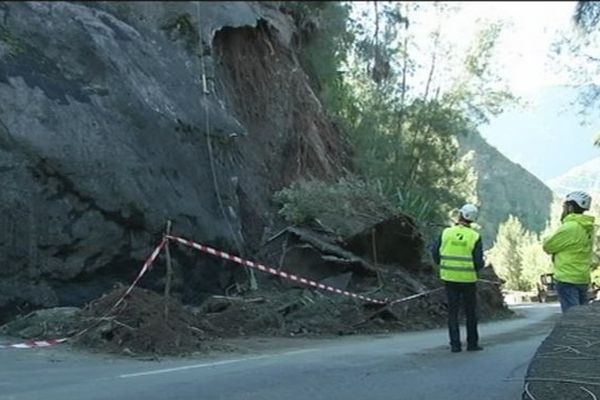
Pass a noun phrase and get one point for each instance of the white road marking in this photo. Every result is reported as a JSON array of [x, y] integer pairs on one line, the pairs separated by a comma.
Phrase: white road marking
[[213, 364], [167, 370], [294, 352]]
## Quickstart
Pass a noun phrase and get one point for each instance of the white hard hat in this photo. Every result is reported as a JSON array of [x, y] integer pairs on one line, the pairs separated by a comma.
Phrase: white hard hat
[[582, 199], [469, 212]]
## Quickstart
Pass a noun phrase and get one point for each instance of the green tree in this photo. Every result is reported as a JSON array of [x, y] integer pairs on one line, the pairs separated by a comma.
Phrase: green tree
[[576, 52], [507, 256], [534, 261], [324, 40], [406, 137], [587, 15], [388, 87]]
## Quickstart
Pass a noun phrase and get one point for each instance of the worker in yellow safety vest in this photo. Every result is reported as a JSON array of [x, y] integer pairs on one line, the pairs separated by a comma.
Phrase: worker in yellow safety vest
[[459, 253]]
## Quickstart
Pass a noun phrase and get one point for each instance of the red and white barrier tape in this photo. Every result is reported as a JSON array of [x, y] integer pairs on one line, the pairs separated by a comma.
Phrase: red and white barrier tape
[[221, 254], [153, 256], [30, 344], [145, 268], [272, 271]]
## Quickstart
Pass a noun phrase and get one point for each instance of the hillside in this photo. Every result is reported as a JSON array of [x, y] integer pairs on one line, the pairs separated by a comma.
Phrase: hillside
[[505, 188], [119, 117], [110, 124]]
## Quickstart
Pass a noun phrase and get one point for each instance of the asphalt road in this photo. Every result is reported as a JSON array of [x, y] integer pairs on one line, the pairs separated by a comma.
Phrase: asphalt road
[[399, 366]]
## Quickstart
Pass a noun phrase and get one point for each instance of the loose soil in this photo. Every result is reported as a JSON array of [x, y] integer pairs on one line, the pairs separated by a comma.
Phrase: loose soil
[[138, 326]]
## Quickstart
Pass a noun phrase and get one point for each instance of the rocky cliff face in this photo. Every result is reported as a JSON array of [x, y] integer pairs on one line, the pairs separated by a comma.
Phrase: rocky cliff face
[[505, 188], [115, 117]]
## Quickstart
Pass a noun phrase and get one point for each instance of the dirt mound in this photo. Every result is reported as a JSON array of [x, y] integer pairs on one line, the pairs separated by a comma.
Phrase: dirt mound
[[51, 323], [138, 325], [287, 313], [490, 300], [294, 311]]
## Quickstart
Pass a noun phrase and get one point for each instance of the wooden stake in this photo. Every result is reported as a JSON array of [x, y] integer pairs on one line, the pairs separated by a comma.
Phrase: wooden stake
[[374, 246], [169, 277]]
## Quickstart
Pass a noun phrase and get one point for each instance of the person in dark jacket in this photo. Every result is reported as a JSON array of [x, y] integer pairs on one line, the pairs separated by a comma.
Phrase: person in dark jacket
[[459, 253]]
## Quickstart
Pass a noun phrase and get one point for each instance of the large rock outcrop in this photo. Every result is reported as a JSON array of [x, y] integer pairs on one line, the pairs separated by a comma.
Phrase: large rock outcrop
[[115, 117]]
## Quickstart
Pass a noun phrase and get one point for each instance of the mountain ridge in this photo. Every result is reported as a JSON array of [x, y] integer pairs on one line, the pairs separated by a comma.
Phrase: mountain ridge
[[584, 177]]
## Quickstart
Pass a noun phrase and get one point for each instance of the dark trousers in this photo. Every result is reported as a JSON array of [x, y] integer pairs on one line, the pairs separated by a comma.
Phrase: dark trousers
[[571, 294], [467, 292]]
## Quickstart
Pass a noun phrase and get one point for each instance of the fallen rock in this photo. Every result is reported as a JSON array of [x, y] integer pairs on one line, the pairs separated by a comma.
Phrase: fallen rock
[[103, 113]]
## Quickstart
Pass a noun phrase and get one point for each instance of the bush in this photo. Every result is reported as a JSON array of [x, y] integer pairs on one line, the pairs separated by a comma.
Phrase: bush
[[343, 207]]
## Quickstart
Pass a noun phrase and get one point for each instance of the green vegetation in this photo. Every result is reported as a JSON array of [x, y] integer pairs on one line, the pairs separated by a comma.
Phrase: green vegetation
[[324, 40], [576, 52], [403, 99], [337, 207], [587, 15], [517, 256]]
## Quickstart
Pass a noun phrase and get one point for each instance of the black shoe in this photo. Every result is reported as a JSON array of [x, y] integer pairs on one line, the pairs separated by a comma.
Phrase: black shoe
[[455, 349], [474, 348]]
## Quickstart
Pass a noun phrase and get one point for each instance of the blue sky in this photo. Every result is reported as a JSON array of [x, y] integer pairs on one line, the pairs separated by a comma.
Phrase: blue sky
[[547, 137]]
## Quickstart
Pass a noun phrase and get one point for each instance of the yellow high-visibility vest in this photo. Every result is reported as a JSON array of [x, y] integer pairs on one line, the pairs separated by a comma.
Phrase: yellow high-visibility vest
[[456, 254]]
